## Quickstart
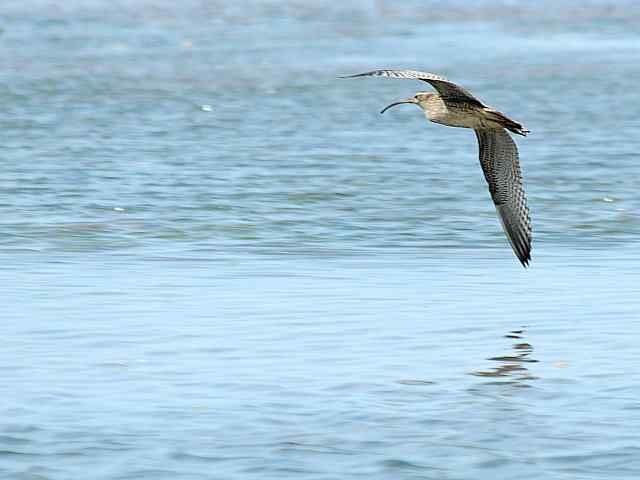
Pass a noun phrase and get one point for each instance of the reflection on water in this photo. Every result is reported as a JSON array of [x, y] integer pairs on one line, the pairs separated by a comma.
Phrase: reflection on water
[[511, 367], [414, 382]]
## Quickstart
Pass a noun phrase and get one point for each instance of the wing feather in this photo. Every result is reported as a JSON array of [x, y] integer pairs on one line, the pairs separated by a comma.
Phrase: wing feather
[[501, 167], [446, 88]]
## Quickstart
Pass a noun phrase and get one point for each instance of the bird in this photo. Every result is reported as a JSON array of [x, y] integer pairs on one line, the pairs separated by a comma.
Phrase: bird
[[454, 106]]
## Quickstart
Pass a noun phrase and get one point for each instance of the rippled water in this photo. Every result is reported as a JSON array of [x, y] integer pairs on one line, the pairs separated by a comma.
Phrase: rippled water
[[219, 261]]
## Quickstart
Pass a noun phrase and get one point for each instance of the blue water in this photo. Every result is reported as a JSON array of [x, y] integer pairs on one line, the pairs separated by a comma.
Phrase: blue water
[[220, 262]]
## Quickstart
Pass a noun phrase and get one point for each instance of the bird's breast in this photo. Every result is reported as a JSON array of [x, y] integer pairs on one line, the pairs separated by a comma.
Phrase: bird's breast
[[462, 116]]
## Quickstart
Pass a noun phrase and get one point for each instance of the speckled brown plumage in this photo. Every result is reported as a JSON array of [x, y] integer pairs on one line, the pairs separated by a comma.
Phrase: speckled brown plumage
[[499, 160]]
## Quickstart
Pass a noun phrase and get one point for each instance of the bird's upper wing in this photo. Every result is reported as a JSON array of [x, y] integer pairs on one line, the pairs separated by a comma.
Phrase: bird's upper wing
[[499, 160], [446, 88]]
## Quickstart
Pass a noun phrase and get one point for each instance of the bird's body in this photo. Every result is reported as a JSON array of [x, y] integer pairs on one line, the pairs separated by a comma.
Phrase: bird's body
[[454, 106], [456, 114], [461, 115]]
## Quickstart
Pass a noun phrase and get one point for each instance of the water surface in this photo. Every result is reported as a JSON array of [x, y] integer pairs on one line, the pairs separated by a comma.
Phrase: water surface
[[219, 261]]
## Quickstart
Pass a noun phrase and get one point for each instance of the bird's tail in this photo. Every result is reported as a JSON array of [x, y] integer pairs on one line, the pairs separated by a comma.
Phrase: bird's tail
[[506, 122]]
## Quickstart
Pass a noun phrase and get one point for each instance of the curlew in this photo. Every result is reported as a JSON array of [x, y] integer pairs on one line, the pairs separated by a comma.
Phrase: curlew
[[455, 106]]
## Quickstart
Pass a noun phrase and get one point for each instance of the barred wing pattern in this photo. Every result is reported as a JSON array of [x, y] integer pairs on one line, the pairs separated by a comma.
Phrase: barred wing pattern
[[447, 89], [499, 160]]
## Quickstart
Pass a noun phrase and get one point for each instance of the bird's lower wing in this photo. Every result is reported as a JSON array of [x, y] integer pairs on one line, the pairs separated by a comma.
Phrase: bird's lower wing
[[501, 167], [446, 88]]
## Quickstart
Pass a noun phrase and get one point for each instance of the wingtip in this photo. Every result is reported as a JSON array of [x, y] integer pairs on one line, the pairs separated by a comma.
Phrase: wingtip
[[351, 76]]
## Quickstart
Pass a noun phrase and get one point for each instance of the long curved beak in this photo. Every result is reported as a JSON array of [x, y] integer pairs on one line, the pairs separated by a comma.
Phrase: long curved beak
[[409, 100]]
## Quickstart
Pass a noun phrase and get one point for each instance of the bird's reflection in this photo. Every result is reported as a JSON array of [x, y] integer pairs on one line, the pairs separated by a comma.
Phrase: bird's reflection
[[512, 367]]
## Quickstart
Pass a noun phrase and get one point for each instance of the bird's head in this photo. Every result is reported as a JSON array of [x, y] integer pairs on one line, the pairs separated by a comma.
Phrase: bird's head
[[420, 99]]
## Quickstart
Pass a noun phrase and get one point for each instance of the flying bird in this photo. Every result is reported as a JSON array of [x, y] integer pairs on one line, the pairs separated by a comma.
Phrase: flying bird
[[455, 106]]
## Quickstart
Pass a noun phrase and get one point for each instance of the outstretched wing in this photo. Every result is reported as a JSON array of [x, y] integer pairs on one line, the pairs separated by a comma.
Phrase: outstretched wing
[[446, 88], [499, 160]]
